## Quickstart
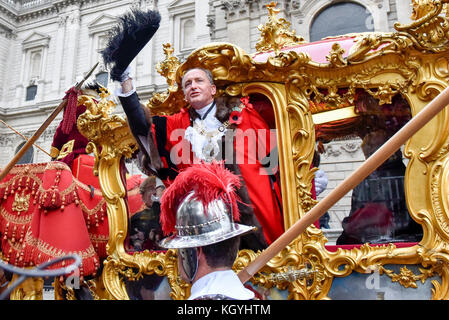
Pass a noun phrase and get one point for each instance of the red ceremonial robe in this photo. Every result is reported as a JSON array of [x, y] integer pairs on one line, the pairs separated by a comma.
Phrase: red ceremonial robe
[[263, 199]]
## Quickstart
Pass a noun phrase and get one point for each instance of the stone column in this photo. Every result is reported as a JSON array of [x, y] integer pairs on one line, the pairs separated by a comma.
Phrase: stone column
[[71, 44], [380, 10], [56, 88], [7, 147], [144, 64], [5, 44], [238, 27], [201, 23], [298, 20], [404, 11]]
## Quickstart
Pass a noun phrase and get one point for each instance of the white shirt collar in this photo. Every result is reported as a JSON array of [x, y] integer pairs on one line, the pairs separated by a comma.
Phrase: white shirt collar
[[204, 109], [221, 282]]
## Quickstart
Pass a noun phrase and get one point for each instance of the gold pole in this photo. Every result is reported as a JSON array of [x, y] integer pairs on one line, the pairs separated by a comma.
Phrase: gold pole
[[21, 135], [371, 164], [41, 129]]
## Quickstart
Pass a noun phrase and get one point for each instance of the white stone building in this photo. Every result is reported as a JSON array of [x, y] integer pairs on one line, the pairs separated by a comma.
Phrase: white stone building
[[47, 45]]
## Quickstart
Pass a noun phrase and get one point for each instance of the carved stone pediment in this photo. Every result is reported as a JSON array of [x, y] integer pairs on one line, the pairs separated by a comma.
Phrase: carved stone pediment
[[101, 23], [35, 40], [180, 5]]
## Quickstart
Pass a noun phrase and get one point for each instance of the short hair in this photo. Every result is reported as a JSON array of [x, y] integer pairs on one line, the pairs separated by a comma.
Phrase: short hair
[[222, 254], [206, 71], [148, 184]]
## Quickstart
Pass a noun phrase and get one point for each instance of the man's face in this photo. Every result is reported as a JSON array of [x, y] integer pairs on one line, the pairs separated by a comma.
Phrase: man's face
[[198, 90]]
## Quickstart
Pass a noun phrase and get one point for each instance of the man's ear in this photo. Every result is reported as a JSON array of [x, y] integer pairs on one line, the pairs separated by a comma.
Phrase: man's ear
[[201, 257], [199, 252]]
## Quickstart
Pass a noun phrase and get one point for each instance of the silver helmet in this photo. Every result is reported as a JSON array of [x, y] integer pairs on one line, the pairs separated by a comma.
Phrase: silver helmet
[[199, 208], [199, 224]]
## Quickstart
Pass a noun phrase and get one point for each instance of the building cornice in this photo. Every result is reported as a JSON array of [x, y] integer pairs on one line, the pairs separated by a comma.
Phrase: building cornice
[[19, 13], [31, 109]]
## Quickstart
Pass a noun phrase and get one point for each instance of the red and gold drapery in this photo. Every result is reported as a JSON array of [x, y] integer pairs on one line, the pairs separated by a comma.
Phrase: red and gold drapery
[[47, 212]]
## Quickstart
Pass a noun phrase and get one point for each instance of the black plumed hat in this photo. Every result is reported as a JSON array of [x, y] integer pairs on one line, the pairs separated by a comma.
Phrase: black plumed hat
[[134, 30]]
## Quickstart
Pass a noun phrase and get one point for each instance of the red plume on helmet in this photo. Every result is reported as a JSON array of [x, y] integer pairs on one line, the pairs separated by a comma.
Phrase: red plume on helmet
[[209, 181]]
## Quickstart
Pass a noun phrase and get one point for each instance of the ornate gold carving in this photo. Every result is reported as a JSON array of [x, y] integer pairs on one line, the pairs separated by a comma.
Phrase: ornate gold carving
[[30, 289], [63, 292], [275, 34], [335, 56], [301, 275], [96, 124], [21, 202], [442, 67], [332, 115], [385, 93], [293, 274], [168, 67], [430, 30], [332, 99], [164, 264], [233, 90], [421, 8], [57, 285], [97, 289], [162, 102], [66, 149], [366, 43], [54, 152], [406, 277]]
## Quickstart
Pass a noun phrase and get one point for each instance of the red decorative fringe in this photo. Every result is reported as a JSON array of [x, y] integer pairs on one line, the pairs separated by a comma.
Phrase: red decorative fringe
[[13, 236], [18, 246], [17, 184], [52, 188], [90, 262], [99, 246], [50, 199], [93, 208], [15, 224]]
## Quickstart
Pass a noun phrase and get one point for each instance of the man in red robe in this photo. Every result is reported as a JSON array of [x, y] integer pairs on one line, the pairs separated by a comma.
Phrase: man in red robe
[[204, 132]]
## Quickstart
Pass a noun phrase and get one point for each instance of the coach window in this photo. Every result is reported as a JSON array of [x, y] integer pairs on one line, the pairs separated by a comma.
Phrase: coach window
[[375, 211]]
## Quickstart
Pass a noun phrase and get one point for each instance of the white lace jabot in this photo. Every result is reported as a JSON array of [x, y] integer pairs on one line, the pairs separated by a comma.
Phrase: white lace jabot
[[204, 134]]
